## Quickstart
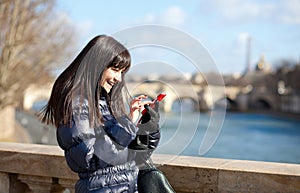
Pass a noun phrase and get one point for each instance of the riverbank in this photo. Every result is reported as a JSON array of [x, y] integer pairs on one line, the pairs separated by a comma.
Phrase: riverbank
[[279, 114]]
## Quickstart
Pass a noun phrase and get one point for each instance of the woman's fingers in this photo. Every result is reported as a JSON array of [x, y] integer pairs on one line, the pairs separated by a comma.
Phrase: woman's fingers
[[140, 97], [147, 103], [136, 105], [138, 102]]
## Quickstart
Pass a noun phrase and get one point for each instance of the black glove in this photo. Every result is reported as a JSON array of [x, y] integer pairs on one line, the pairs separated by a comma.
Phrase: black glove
[[143, 146], [149, 121], [148, 135]]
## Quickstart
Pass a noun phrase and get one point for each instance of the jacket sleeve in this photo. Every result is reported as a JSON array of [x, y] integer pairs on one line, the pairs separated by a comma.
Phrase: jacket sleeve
[[77, 140], [86, 147], [120, 130]]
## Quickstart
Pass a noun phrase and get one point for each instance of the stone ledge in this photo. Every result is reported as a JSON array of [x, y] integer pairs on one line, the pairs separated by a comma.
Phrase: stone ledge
[[33, 159], [198, 174], [228, 164], [186, 174]]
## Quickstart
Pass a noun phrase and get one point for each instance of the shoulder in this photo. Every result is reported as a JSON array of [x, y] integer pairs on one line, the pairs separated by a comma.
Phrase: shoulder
[[80, 106], [80, 102]]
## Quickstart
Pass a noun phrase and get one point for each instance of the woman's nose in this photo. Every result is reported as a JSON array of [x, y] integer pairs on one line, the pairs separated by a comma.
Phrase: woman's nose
[[118, 76]]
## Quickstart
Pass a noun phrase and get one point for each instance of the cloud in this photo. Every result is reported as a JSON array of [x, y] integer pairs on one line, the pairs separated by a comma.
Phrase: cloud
[[236, 10], [81, 28], [149, 18], [85, 27], [253, 10], [290, 12], [173, 16]]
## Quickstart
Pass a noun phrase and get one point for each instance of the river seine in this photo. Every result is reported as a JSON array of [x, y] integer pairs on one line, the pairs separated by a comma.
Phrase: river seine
[[230, 135], [244, 136]]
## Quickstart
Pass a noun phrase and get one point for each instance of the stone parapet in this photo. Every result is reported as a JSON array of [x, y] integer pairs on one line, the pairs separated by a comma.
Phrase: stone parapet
[[42, 168], [196, 174]]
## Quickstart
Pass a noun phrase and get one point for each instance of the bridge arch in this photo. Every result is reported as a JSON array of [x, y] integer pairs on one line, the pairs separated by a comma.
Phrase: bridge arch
[[173, 90], [261, 103], [34, 94], [185, 104], [231, 104]]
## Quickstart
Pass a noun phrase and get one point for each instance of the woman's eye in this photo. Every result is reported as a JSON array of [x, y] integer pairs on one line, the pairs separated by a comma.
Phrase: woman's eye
[[118, 70]]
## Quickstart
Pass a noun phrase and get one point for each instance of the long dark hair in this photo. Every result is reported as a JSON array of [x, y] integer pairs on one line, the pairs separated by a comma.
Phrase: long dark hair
[[82, 79]]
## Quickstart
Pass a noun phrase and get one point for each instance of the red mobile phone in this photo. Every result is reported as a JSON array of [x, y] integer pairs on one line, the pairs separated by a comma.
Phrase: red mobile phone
[[159, 98]]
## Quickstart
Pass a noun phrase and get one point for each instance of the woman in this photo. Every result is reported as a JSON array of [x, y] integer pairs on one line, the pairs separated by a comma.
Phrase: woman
[[100, 140]]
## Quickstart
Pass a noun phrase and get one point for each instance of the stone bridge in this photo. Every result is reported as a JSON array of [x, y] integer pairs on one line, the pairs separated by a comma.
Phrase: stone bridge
[[202, 97], [36, 93]]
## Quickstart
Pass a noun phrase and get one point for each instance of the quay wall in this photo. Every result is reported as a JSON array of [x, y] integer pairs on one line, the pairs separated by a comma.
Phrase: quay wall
[[42, 168]]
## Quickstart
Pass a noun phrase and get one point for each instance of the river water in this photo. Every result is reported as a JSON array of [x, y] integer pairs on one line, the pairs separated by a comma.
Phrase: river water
[[232, 135], [244, 136]]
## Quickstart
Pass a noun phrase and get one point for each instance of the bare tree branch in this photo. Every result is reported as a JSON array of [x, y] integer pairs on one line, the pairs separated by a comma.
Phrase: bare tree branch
[[34, 40]]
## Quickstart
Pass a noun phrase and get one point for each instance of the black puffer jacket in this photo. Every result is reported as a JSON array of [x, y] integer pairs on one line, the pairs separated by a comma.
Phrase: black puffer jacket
[[104, 157]]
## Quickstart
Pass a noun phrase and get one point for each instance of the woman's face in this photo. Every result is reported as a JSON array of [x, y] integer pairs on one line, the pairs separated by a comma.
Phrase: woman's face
[[110, 77]]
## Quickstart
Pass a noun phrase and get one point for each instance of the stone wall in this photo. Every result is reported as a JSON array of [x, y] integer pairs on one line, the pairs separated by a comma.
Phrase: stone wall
[[7, 121], [195, 174], [41, 168]]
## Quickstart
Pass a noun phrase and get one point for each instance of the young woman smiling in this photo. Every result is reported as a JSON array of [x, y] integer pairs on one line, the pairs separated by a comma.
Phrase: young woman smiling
[[100, 139]]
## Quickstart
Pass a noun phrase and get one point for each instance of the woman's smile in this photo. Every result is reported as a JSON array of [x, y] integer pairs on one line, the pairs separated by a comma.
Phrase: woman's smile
[[110, 77]]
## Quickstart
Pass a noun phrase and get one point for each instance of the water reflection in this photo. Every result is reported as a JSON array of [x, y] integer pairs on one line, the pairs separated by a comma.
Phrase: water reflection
[[184, 105], [243, 136]]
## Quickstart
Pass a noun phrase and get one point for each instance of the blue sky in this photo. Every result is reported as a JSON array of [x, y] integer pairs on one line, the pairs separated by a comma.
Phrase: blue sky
[[222, 27]]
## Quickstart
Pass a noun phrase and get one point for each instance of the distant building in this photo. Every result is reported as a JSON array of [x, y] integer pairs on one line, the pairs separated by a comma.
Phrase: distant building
[[263, 66]]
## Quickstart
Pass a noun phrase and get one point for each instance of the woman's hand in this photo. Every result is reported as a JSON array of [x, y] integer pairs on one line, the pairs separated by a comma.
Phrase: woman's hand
[[136, 105]]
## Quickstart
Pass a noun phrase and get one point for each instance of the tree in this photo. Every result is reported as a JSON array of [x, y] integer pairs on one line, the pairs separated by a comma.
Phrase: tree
[[34, 40]]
